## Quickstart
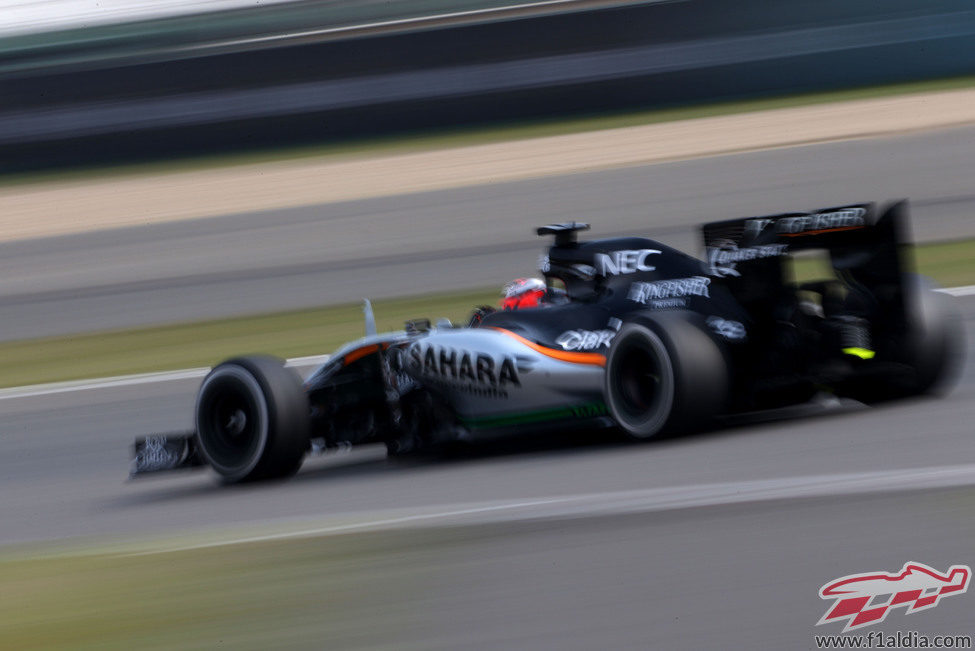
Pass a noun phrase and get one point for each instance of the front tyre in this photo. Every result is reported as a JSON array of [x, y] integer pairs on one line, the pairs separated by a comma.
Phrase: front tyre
[[252, 419], [664, 375]]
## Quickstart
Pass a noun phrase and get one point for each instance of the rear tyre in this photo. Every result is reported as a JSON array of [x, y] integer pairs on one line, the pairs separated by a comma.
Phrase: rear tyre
[[252, 419], [933, 348], [664, 375], [936, 346]]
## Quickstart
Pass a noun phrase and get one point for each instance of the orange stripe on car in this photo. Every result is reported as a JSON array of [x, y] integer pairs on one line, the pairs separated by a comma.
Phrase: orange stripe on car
[[359, 353], [593, 359], [820, 232]]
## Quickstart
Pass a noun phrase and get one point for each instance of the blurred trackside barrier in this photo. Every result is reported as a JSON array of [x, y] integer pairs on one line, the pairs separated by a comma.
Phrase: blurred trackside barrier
[[636, 55]]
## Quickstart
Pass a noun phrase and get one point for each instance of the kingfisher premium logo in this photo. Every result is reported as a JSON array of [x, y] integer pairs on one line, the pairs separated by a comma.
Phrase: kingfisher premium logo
[[675, 288]]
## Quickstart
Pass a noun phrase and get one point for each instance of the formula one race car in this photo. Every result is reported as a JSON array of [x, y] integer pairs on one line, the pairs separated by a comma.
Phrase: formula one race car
[[630, 335]]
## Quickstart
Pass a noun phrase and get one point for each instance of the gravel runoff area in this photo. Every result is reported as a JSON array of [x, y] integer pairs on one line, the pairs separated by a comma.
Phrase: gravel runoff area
[[60, 207]]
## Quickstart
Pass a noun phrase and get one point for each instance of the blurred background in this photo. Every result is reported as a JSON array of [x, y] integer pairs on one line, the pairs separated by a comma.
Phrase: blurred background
[[85, 82], [184, 180]]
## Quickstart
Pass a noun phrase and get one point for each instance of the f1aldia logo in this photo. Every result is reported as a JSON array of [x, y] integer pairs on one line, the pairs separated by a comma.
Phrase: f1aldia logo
[[866, 599]]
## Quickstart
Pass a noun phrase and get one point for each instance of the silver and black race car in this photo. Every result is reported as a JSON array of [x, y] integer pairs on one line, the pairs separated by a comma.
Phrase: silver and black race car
[[631, 335]]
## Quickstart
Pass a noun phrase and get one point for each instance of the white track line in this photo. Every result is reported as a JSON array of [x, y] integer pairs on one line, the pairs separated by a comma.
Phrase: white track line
[[618, 502], [103, 383], [32, 390], [168, 376], [968, 290], [384, 523]]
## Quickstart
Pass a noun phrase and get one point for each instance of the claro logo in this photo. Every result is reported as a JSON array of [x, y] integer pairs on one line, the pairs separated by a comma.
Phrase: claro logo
[[589, 339], [624, 262]]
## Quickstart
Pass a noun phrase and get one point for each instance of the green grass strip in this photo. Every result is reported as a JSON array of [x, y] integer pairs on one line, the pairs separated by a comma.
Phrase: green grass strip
[[190, 345], [306, 332], [334, 592]]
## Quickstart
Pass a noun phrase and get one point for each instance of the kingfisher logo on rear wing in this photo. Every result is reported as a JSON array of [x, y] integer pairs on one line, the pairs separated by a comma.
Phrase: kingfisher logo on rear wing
[[828, 227], [830, 221], [866, 599]]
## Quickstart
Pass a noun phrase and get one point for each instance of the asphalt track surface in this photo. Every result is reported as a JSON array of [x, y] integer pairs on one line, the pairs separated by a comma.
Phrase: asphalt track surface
[[720, 540], [434, 241]]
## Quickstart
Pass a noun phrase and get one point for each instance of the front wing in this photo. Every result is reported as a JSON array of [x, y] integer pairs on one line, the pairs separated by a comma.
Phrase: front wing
[[159, 452]]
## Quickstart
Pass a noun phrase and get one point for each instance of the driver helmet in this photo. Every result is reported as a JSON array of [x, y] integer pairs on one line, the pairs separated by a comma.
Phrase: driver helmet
[[521, 293]]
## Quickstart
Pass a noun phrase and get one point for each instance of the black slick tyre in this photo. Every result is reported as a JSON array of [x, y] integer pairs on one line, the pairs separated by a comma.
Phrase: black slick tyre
[[933, 347], [252, 419], [665, 375]]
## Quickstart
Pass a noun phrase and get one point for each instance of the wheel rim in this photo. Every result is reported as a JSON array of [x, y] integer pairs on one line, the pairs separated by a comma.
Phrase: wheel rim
[[640, 383], [232, 421]]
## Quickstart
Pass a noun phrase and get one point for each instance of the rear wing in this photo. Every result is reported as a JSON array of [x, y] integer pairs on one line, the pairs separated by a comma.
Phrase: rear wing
[[867, 247]]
